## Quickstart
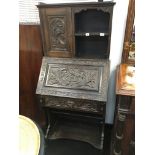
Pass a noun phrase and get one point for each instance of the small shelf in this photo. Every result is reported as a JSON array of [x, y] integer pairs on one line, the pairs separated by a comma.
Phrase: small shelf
[[92, 20], [94, 47], [87, 34], [92, 34]]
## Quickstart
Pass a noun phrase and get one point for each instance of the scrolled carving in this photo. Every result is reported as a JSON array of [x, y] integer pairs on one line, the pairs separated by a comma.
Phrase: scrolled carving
[[77, 10], [104, 9], [57, 32], [81, 105], [70, 77], [97, 90]]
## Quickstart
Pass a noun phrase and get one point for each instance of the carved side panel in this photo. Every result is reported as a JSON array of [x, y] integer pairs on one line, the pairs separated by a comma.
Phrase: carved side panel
[[57, 33]]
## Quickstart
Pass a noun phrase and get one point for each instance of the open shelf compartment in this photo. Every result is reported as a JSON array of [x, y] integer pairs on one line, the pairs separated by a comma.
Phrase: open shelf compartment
[[91, 47], [92, 20]]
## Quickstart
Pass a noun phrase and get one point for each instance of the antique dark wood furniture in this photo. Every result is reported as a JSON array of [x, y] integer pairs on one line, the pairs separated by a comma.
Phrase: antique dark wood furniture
[[78, 88], [76, 30], [124, 126], [73, 81], [123, 139]]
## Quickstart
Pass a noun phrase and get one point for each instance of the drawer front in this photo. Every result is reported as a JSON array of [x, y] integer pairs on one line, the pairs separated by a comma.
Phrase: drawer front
[[74, 104]]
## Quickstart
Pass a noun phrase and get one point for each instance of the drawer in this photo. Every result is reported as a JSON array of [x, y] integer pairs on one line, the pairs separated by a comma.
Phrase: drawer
[[74, 104]]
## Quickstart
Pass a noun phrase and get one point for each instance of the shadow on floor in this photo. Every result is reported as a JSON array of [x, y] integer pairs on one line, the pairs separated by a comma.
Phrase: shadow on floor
[[73, 147], [70, 147]]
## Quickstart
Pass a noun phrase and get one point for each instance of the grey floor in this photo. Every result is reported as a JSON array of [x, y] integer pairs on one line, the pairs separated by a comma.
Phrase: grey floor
[[73, 147]]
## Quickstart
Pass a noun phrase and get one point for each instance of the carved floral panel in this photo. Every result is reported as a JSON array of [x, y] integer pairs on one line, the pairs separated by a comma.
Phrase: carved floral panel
[[57, 32], [73, 77], [67, 103]]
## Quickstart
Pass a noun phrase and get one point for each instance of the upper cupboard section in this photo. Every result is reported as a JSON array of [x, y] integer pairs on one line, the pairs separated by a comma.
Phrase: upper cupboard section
[[81, 30]]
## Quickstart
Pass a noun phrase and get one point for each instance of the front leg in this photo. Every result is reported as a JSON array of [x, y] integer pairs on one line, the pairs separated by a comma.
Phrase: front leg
[[48, 121]]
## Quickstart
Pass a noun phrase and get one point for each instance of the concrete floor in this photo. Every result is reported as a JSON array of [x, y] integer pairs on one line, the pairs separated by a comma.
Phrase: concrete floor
[[73, 147]]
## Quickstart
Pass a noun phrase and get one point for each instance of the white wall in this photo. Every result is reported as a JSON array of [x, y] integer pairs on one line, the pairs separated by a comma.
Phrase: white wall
[[117, 39]]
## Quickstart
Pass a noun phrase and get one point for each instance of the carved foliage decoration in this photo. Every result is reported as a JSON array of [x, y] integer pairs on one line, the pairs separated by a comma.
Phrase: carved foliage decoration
[[73, 77], [104, 9], [91, 78], [57, 32], [81, 105]]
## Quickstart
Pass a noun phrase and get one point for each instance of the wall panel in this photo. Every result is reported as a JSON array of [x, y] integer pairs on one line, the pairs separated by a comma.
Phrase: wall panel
[[30, 56]]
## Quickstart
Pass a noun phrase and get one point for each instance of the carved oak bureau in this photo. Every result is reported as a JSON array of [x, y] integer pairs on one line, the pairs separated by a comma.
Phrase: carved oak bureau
[[73, 81], [74, 85]]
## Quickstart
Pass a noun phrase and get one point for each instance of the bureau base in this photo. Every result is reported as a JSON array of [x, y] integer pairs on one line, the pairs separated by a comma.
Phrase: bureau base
[[63, 126]]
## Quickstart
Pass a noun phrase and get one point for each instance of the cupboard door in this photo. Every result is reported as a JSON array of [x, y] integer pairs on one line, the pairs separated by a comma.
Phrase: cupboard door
[[56, 31]]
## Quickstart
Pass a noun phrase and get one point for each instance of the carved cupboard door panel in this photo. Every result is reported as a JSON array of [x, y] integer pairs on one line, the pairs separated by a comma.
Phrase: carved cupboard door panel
[[56, 31]]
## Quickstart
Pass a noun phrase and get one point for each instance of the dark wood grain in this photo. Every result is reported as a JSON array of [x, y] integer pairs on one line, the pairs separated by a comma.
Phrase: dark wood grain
[[30, 57], [60, 24], [44, 5], [56, 29], [123, 141], [128, 134]]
